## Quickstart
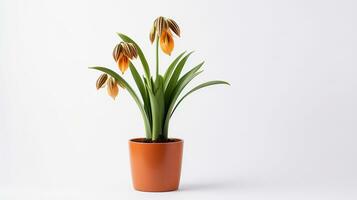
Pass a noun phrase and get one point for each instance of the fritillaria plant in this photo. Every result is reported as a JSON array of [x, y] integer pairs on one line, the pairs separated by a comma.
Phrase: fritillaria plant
[[159, 95]]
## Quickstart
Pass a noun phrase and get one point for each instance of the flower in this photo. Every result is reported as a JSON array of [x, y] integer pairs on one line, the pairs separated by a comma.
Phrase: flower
[[167, 42], [123, 53], [110, 82], [112, 88], [161, 29]]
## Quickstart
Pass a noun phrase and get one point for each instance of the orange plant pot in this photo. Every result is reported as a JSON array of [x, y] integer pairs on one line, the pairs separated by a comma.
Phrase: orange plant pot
[[155, 167]]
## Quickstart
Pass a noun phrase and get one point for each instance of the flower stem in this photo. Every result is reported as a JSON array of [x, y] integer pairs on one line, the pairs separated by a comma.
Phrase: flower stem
[[157, 57]]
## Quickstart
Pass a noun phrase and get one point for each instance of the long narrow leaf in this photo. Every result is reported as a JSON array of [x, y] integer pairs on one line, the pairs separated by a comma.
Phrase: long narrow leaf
[[141, 87], [177, 91], [169, 99], [132, 93], [171, 68], [203, 85], [175, 76], [148, 106], [138, 81], [155, 117], [157, 107]]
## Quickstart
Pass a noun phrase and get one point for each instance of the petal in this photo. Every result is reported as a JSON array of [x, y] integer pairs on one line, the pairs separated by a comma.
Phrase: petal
[[123, 63], [167, 42], [112, 88], [101, 81], [152, 34], [126, 49], [133, 51], [116, 52], [161, 25], [173, 26]]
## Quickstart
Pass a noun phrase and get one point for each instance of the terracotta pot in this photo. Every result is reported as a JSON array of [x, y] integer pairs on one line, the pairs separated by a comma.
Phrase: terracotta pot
[[155, 167]]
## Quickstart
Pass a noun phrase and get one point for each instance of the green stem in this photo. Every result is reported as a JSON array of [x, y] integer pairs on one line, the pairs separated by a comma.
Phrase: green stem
[[157, 57]]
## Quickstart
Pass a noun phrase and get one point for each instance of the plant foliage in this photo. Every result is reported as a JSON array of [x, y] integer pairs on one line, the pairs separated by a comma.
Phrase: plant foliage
[[157, 97]]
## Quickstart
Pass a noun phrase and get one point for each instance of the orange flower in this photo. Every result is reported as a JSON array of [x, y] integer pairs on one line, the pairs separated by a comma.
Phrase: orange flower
[[167, 42], [112, 88], [110, 82], [123, 63], [123, 53], [161, 29]]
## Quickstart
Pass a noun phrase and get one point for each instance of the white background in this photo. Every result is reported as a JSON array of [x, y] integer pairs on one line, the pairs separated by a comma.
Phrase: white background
[[285, 129]]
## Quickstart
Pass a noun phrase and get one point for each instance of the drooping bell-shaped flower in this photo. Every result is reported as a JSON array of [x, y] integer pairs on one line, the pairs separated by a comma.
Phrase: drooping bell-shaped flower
[[110, 82], [161, 29], [167, 42], [123, 53], [112, 87]]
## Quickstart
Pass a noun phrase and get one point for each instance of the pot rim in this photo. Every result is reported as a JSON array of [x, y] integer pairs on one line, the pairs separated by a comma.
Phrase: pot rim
[[155, 143]]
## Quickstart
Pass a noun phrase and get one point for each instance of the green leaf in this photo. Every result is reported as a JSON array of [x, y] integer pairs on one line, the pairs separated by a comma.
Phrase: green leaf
[[148, 106], [203, 85], [157, 108], [141, 87], [175, 76], [140, 53], [195, 69], [138, 81], [152, 87], [133, 95], [170, 69], [177, 91]]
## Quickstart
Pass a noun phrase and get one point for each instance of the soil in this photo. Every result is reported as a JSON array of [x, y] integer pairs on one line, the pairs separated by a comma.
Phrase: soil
[[144, 140]]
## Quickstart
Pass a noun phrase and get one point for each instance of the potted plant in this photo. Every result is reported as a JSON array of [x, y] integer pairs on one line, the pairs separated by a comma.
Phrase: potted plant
[[155, 159]]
